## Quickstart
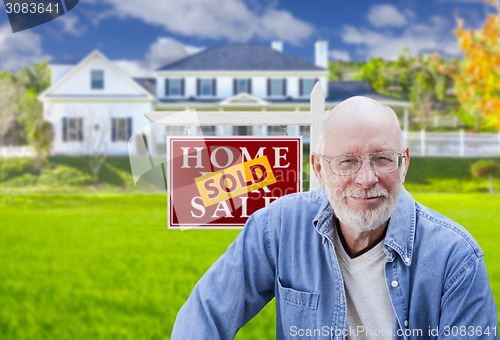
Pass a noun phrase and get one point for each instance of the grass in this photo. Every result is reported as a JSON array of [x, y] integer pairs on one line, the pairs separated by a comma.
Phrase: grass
[[104, 266], [64, 174]]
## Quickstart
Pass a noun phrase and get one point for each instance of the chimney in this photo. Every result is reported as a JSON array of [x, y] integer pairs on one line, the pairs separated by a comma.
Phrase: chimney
[[321, 53], [277, 46]]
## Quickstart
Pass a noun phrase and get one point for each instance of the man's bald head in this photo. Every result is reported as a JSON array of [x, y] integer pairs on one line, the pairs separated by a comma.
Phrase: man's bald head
[[354, 114]]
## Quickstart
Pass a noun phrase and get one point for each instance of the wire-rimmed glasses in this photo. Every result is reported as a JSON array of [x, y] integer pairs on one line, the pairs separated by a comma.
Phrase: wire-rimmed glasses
[[383, 162]]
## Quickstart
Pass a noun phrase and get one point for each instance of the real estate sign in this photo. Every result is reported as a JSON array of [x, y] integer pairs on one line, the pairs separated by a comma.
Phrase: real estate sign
[[218, 182]]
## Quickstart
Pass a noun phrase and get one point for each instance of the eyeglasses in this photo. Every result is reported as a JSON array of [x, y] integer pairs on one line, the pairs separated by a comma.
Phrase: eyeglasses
[[383, 162]]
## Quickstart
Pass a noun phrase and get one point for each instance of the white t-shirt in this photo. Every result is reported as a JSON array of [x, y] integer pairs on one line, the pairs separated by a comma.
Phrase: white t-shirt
[[370, 314]]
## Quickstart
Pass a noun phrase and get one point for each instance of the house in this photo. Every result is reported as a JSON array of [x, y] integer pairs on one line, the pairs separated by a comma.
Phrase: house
[[96, 107]]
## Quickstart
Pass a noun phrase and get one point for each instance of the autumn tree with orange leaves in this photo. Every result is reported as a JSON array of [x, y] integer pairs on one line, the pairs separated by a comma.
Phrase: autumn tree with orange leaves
[[477, 79]]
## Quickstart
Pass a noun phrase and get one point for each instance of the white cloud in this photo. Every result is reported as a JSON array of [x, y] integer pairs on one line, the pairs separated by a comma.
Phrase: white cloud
[[166, 50], [340, 55], [72, 25], [162, 52], [19, 49], [215, 19], [135, 68], [434, 36], [385, 15]]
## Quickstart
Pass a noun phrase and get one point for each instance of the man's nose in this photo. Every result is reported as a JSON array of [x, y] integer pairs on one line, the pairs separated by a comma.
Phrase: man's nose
[[366, 177]]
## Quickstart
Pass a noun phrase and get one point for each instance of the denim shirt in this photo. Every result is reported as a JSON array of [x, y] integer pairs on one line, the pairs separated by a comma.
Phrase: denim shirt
[[435, 273]]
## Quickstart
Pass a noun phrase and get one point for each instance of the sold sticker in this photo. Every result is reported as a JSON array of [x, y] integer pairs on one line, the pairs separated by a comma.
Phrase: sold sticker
[[235, 180]]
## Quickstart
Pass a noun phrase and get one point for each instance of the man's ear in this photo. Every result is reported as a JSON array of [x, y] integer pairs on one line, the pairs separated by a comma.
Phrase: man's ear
[[406, 163], [316, 165]]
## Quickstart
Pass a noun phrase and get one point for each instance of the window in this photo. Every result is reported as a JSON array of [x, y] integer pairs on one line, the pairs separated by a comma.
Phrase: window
[[72, 129], [121, 129], [306, 85], [97, 79], [205, 87], [208, 130], [276, 87], [174, 87], [242, 130], [241, 85]]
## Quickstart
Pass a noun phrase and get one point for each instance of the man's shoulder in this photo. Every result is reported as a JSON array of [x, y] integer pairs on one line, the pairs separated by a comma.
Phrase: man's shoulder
[[293, 210], [445, 231], [300, 202], [314, 197]]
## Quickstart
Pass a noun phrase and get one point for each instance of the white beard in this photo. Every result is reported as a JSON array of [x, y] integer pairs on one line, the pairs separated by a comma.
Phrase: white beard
[[363, 220]]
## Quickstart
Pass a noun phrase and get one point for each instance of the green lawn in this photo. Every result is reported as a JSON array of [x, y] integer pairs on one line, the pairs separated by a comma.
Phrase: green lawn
[[104, 266]]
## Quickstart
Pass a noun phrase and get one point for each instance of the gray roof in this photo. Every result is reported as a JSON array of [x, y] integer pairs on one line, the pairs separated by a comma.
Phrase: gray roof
[[240, 57], [149, 84], [341, 90]]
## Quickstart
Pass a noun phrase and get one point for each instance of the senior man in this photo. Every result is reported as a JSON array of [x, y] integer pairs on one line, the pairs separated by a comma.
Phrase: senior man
[[358, 259]]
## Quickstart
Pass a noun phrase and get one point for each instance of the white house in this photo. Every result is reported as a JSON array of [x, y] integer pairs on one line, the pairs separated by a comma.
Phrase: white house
[[95, 106]]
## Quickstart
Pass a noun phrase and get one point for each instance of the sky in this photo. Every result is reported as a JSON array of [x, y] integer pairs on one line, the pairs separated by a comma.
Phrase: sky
[[143, 35]]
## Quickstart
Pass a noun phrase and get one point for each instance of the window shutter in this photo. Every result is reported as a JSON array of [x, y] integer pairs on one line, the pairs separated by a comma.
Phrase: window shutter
[[182, 87], [284, 87], [269, 87], [80, 129], [301, 87], [113, 129], [234, 85], [167, 87], [65, 129], [249, 85], [198, 86], [129, 128], [214, 90]]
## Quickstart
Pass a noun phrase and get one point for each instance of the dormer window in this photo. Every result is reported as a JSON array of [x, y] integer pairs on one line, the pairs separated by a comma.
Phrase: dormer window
[[97, 79]]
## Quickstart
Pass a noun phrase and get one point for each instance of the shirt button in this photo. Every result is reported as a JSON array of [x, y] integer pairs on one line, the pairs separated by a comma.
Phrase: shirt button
[[406, 323], [394, 283], [407, 259], [389, 248]]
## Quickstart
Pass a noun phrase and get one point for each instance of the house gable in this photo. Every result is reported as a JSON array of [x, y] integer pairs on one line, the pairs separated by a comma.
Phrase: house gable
[[243, 99], [96, 77]]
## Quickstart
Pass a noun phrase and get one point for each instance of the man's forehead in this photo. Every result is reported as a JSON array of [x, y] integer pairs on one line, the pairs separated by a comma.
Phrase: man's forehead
[[361, 109]]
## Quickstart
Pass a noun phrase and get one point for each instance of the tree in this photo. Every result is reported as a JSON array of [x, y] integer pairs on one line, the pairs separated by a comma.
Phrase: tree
[[11, 92], [42, 139], [20, 110], [95, 134], [488, 170], [477, 80], [413, 78], [343, 70], [35, 77]]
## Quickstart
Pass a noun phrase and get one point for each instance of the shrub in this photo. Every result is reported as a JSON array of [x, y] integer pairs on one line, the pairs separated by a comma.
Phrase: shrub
[[24, 180], [449, 185], [63, 176], [14, 167], [486, 169]]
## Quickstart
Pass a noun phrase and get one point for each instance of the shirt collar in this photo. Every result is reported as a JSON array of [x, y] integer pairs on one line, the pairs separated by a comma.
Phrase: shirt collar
[[400, 231]]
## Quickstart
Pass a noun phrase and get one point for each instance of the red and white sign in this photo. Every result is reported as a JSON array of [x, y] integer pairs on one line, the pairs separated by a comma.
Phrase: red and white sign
[[218, 182]]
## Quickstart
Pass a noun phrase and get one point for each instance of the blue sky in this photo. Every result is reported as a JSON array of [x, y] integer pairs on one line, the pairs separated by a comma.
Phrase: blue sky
[[142, 35]]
